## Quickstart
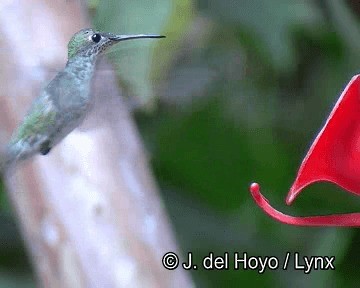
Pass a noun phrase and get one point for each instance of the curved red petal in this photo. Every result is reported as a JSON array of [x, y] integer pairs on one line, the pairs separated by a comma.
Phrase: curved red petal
[[334, 155], [344, 220]]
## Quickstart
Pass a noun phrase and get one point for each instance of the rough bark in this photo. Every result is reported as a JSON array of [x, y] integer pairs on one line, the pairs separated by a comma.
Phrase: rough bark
[[89, 212]]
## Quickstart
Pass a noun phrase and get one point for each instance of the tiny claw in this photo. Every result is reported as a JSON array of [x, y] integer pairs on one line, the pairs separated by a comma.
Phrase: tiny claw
[[45, 148]]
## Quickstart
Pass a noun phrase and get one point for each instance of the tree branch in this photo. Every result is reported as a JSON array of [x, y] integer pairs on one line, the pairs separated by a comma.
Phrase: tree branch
[[89, 212]]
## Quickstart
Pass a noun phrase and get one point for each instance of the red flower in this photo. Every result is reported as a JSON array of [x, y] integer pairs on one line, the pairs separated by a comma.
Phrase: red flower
[[334, 156]]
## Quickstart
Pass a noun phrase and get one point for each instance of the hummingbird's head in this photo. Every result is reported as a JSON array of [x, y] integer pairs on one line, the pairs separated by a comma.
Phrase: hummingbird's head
[[88, 42]]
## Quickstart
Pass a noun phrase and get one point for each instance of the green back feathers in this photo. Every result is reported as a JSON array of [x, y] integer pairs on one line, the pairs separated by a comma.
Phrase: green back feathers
[[35, 123]]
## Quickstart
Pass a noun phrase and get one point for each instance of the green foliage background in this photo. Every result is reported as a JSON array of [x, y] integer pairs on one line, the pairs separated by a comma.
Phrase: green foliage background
[[234, 94]]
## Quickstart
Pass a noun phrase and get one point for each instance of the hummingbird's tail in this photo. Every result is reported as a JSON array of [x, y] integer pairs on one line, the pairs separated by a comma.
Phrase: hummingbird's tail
[[3, 163], [8, 158], [14, 153]]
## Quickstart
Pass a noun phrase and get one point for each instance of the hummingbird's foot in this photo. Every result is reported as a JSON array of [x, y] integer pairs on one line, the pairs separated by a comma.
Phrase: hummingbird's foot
[[45, 147]]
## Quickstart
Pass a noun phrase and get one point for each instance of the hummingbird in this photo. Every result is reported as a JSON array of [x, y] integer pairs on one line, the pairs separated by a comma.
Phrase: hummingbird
[[64, 102]]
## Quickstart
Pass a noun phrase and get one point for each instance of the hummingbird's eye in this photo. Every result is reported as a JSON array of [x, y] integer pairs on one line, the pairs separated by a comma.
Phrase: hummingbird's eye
[[96, 38]]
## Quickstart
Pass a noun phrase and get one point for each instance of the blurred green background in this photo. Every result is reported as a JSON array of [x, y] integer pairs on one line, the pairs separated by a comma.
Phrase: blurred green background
[[235, 94]]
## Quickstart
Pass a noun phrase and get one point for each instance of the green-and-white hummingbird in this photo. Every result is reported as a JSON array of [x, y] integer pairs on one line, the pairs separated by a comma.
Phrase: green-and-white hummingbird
[[63, 104]]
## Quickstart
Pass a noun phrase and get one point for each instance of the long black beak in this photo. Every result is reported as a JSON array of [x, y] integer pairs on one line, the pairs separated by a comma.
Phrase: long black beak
[[136, 36]]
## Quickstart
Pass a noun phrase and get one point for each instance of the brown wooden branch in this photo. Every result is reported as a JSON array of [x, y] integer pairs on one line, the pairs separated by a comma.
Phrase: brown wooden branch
[[89, 212]]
